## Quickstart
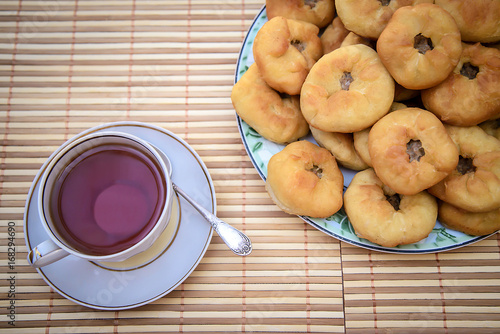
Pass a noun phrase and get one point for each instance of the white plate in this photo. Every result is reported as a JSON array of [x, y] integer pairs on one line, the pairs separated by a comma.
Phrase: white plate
[[261, 150], [92, 285]]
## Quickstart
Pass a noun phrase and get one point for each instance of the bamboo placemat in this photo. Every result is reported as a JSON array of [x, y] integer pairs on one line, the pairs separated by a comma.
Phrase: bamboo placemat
[[70, 65]]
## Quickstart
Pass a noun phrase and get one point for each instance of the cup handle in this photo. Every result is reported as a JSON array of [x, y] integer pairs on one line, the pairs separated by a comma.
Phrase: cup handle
[[45, 253]]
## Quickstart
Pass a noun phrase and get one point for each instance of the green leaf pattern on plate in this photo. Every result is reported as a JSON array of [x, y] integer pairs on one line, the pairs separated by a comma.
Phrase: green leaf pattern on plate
[[338, 225], [253, 133], [257, 146]]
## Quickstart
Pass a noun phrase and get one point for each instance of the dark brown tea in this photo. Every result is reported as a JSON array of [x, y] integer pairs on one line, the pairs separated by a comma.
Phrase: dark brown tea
[[107, 199]]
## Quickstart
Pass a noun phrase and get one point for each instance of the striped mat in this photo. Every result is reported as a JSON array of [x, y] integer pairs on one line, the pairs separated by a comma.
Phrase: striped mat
[[69, 65]]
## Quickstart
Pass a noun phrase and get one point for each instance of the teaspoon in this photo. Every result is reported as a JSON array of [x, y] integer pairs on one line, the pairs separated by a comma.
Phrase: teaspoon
[[236, 240]]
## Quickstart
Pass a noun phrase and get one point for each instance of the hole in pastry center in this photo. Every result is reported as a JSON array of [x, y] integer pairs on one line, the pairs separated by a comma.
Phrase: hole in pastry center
[[394, 200], [470, 71], [422, 43], [346, 80], [298, 45], [415, 150], [385, 2], [318, 171], [465, 165], [311, 3]]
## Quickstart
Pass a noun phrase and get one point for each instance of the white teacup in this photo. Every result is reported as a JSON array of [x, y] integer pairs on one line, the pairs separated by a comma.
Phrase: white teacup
[[103, 197]]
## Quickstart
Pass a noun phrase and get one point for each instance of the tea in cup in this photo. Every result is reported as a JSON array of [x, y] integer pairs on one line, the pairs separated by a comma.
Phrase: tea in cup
[[103, 197]]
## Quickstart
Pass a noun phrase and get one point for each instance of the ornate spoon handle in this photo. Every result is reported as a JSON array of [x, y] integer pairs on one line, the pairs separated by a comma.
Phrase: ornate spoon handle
[[236, 240]]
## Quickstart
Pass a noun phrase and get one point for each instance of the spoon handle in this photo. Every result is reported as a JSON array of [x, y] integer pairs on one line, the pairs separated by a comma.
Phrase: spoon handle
[[236, 240]]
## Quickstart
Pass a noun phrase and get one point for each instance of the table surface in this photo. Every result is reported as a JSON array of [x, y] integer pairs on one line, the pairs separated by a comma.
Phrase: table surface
[[70, 65]]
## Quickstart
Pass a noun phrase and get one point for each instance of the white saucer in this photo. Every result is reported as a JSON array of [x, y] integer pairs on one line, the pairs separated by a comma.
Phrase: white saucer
[[94, 286]]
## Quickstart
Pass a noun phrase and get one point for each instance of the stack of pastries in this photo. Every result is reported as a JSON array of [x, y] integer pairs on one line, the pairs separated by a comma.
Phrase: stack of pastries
[[406, 92]]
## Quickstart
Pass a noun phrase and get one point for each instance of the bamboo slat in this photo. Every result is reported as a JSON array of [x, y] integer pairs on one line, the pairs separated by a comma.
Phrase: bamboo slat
[[68, 65]]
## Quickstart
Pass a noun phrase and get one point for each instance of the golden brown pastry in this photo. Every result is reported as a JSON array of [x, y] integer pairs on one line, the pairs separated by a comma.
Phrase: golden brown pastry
[[341, 145], [473, 223], [494, 45], [285, 50], [361, 137], [402, 94], [474, 185], [304, 179], [410, 150], [368, 18], [385, 217], [353, 39], [420, 45], [471, 93], [478, 20], [347, 90], [317, 12], [334, 34], [275, 116], [491, 127]]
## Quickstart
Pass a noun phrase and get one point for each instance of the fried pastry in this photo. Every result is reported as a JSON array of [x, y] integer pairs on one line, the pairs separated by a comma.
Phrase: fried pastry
[[304, 179], [341, 145], [474, 185], [334, 34], [284, 51], [347, 90], [472, 223], [385, 217], [368, 18], [411, 150], [491, 127], [471, 93], [275, 116], [420, 46], [317, 12], [361, 137], [478, 20]]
